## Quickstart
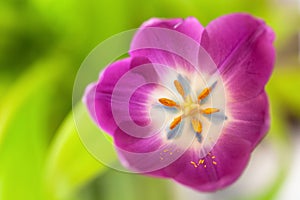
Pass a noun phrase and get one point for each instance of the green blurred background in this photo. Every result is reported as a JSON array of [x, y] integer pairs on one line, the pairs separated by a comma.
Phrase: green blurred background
[[43, 43]]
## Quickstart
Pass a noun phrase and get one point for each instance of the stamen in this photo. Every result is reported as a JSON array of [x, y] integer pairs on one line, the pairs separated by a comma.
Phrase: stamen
[[175, 122], [210, 110], [167, 102], [197, 126], [179, 88], [189, 108], [204, 93]]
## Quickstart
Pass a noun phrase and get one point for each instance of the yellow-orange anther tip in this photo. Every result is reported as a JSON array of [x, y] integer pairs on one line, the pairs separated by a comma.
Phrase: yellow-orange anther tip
[[175, 122], [179, 88], [204, 93], [197, 126], [167, 102], [210, 110]]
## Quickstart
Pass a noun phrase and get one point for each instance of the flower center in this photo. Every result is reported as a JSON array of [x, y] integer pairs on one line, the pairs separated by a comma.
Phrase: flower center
[[189, 108]]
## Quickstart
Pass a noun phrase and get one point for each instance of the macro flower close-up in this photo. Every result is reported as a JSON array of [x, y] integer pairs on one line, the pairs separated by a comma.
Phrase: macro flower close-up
[[151, 100], [189, 103]]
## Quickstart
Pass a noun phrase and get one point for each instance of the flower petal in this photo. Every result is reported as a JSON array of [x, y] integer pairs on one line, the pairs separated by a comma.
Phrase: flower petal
[[220, 168], [136, 153], [249, 120], [189, 26], [127, 142], [241, 46], [144, 155], [139, 104], [98, 96], [174, 43]]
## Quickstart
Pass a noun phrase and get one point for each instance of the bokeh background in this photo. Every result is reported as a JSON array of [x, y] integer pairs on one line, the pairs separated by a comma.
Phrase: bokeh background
[[42, 45]]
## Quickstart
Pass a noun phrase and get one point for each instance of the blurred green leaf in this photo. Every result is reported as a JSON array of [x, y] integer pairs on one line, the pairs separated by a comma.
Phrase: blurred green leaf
[[120, 185], [284, 86], [21, 154], [40, 75], [4, 84], [69, 164], [24, 131]]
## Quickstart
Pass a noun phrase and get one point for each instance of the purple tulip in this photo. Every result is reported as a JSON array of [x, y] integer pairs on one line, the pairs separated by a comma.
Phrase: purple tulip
[[189, 103]]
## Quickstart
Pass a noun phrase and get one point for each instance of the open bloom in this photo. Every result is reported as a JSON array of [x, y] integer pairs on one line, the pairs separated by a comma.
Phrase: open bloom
[[189, 103]]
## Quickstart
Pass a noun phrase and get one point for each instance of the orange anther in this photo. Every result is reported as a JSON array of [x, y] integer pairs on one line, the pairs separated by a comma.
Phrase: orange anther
[[167, 102], [197, 126], [179, 88], [175, 122], [204, 93], [210, 110]]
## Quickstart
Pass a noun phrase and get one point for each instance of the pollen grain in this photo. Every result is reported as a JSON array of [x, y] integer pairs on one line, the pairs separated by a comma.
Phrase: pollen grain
[[201, 161], [194, 164]]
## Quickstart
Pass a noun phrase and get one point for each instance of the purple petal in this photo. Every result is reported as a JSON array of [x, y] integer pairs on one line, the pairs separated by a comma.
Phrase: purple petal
[[189, 26], [126, 142], [139, 104], [137, 154], [241, 46], [98, 96], [174, 43], [249, 120], [144, 155], [231, 156]]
